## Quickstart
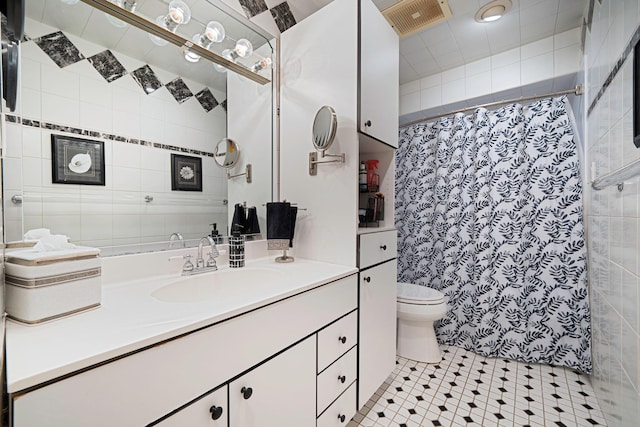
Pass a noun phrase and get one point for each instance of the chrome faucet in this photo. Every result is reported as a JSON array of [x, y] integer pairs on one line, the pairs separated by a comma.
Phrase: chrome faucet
[[177, 236], [210, 264]]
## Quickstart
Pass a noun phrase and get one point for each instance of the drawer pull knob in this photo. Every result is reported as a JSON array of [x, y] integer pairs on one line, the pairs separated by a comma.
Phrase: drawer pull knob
[[383, 247], [342, 418], [216, 412], [343, 340], [246, 392], [367, 123], [342, 378], [367, 279]]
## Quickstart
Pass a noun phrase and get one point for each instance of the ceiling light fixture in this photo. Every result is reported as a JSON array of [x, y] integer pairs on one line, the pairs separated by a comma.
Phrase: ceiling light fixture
[[493, 11], [179, 13], [129, 5], [214, 33]]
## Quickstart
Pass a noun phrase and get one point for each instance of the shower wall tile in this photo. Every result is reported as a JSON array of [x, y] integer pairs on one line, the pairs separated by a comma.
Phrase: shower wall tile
[[615, 297]]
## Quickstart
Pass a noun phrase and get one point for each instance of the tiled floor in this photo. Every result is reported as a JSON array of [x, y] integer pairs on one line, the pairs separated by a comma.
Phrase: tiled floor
[[470, 390]]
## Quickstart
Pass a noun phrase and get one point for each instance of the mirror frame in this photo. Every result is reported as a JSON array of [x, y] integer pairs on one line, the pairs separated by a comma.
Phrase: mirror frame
[[330, 134]]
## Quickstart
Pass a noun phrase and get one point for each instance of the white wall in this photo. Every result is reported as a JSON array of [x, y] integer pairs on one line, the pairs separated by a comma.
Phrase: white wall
[[613, 218], [79, 97], [319, 67], [542, 66]]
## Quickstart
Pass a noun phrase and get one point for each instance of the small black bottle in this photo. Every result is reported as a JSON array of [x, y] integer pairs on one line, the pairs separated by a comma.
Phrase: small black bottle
[[215, 234]]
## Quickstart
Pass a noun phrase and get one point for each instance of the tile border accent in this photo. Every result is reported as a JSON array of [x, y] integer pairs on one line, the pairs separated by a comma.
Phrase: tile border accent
[[614, 72], [11, 118]]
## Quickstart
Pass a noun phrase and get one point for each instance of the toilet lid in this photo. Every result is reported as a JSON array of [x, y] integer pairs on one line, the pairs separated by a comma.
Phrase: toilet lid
[[416, 294]]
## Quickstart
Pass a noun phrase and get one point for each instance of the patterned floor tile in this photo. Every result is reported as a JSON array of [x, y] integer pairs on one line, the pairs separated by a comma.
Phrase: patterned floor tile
[[467, 390]]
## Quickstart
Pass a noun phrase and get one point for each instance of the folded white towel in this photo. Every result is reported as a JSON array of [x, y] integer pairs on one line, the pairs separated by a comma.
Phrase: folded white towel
[[37, 233], [53, 242]]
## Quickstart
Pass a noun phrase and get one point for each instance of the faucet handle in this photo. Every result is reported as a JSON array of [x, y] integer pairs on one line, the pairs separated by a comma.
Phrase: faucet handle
[[211, 262], [188, 265]]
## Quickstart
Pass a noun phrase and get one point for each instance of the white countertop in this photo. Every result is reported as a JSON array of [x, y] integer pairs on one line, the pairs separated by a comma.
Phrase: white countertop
[[130, 319]]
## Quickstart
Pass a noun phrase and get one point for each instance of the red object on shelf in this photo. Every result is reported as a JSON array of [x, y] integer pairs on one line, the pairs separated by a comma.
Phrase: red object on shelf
[[372, 177]]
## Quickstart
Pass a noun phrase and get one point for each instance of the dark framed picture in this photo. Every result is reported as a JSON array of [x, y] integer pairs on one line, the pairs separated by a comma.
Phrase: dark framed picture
[[77, 161], [186, 173]]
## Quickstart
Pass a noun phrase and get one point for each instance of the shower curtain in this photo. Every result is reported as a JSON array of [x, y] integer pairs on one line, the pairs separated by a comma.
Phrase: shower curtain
[[489, 212]]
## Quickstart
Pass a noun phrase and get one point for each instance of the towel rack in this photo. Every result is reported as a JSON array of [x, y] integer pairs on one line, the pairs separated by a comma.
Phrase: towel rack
[[617, 177]]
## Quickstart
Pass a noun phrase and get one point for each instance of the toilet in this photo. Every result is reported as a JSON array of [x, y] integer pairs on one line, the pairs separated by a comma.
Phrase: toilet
[[418, 307]]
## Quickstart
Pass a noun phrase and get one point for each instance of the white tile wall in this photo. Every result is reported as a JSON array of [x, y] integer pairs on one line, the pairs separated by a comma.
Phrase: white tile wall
[[78, 96], [613, 217], [549, 58]]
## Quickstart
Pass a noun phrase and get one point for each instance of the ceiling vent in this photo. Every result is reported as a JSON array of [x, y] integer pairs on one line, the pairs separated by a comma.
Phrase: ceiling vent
[[409, 16]]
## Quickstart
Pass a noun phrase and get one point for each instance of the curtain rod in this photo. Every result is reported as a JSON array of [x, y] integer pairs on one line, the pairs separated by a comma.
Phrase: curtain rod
[[575, 91]]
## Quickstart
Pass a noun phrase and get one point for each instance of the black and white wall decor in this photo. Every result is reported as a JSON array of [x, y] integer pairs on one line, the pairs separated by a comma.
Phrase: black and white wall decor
[[186, 173], [77, 161]]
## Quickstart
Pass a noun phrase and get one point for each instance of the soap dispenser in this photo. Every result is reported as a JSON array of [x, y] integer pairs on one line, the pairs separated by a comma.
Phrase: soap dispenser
[[215, 234], [236, 248]]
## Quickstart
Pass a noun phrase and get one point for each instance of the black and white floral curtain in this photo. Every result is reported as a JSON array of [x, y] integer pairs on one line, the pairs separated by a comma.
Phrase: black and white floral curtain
[[489, 211]]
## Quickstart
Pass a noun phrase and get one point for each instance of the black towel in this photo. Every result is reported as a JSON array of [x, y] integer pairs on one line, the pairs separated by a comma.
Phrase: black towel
[[253, 226], [279, 220], [239, 220], [294, 212]]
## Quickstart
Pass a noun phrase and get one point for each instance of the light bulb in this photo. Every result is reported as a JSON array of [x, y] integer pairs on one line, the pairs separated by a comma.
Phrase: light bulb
[[69, 2], [179, 13], [226, 54], [263, 64], [213, 33], [243, 48]]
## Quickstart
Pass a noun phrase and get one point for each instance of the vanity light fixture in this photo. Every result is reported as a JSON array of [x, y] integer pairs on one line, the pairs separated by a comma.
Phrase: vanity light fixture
[[129, 5], [262, 64], [214, 33], [179, 13], [493, 11], [243, 49]]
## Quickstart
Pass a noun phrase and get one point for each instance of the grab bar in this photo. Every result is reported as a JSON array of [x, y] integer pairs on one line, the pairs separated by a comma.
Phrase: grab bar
[[617, 177]]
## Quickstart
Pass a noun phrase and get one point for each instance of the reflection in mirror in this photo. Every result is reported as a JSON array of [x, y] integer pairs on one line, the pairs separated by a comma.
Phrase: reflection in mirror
[[226, 153], [82, 76], [324, 128]]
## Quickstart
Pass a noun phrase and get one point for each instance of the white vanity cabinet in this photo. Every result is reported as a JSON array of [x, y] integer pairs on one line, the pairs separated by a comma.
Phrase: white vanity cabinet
[[271, 350], [377, 341], [379, 76], [209, 411], [278, 392]]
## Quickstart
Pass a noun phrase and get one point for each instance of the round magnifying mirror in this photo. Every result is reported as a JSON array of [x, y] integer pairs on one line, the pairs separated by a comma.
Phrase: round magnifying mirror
[[226, 153], [324, 128]]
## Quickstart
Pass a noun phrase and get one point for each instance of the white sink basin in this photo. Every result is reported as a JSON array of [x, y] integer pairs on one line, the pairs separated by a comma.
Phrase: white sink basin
[[216, 285]]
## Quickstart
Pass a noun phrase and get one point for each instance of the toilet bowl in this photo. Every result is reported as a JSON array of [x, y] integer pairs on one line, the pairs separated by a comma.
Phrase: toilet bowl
[[418, 307]]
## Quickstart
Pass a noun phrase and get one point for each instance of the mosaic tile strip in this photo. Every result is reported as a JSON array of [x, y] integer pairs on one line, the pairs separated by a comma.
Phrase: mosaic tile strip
[[60, 49], [107, 65], [111, 69], [206, 99], [147, 79], [253, 7], [614, 72], [10, 118], [283, 16], [179, 90]]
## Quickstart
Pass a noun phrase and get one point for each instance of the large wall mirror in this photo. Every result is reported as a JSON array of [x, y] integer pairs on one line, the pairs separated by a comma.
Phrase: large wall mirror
[[141, 119]]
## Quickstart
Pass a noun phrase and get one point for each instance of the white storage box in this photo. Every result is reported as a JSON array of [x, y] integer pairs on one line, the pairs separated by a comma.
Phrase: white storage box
[[43, 286]]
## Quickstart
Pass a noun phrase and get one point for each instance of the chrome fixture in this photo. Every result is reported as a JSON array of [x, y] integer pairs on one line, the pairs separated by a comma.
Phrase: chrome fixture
[[17, 199], [617, 177], [242, 49], [179, 13], [202, 266], [325, 125], [227, 155], [177, 236]]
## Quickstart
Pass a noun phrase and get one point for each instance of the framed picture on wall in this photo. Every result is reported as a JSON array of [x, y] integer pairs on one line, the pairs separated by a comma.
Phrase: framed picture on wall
[[77, 161], [186, 173]]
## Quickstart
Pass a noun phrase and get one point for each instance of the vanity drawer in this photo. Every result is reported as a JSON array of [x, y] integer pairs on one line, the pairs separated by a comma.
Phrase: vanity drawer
[[336, 378], [341, 411], [336, 339], [377, 247]]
